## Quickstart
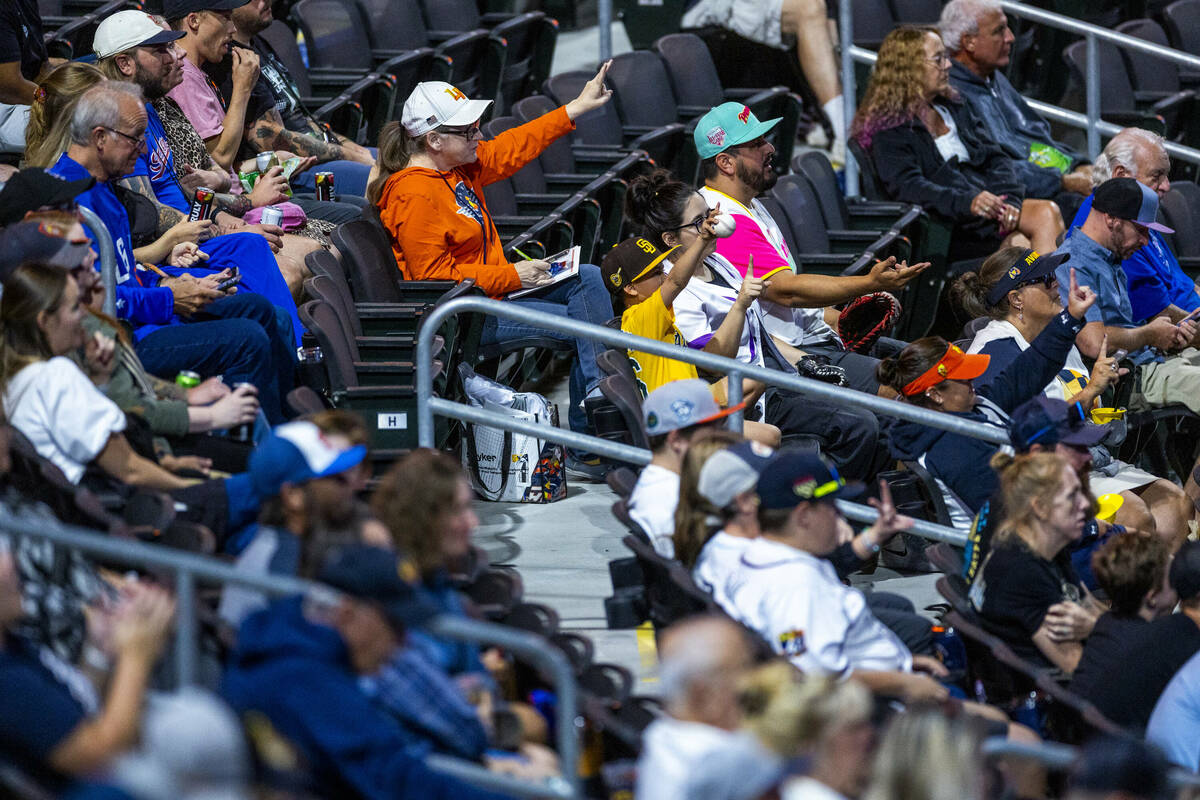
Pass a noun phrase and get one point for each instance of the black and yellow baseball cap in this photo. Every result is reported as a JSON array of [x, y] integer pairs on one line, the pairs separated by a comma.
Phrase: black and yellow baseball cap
[[630, 261]]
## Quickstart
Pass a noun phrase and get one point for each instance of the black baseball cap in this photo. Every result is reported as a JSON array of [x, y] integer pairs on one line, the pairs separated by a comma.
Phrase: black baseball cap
[[1048, 421], [1028, 267], [1111, 764], [34, 242], [796, 476], [177, 9], [1125, 198], [1185, 571], [379, 577], [34, 188], [630, 261]]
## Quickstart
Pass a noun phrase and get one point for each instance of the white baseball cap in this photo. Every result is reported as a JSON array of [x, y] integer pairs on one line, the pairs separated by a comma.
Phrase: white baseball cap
[[128, 29], [436, 103]]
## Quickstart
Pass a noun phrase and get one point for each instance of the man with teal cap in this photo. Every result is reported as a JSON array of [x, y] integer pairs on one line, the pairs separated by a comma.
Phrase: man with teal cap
[[737, 165]]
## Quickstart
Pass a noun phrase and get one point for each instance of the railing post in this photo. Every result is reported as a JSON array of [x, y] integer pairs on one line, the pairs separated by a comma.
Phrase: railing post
[[734, 397], [108, 258], [186, 632], [604, 16], [1092, 81], [849, 90]]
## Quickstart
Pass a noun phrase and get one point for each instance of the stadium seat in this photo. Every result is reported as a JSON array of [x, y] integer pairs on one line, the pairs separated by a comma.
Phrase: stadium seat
[[383, 393], [697, 88], [1182, 21], [602, 127], [916, 12], [842, 213], [1119, 102], [567, 157], [530, 39]]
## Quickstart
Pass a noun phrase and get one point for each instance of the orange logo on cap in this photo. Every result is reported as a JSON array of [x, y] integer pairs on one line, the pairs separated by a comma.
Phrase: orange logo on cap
[[455, 93], [744, 114]]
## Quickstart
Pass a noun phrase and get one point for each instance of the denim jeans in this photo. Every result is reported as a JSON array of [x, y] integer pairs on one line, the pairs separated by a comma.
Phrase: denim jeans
[[585, 299], [242, 337], [349, 177]]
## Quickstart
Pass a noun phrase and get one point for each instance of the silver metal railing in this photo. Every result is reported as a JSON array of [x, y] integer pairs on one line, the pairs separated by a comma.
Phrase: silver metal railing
[[190, 569], [1061, 757], [108, 258], [428, 405], [1089, 121]]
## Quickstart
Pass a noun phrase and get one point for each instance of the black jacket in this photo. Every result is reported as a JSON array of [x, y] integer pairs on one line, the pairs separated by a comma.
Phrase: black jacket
[[913, 171]]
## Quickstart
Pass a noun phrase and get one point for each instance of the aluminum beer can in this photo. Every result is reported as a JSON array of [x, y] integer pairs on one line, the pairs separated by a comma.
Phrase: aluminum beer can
[[324, 181], [201, 204], [272, 215], [243, 432], [187, 379], [263, 160]]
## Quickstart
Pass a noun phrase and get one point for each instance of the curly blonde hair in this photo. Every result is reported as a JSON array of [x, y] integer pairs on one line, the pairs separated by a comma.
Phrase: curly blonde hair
[[896, 89], [49, 130]]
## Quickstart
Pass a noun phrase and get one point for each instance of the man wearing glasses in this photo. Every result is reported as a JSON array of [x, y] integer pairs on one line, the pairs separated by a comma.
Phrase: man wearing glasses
[[737, 164]]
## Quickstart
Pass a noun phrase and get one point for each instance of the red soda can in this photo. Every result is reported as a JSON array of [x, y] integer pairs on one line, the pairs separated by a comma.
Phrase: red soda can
[[201, 205], [324, 181]]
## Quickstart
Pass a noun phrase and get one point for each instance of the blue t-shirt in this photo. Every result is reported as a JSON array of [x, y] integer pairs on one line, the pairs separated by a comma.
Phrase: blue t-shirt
[[147, 307], [1175, 724], [1095, 266], [1154, 276], [37, 710], [158, 164]]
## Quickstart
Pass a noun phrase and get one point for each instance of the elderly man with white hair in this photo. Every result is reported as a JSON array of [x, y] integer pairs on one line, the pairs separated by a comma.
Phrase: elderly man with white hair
[[977, 36], [1157, 284], [696, 751]]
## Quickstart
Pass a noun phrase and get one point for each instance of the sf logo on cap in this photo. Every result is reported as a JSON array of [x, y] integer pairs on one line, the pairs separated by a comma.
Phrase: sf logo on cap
[[455, 93]]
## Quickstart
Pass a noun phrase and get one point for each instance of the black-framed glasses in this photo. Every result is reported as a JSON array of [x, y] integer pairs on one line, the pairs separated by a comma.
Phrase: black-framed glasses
[[136, 141], [697, 224], [469, 132]]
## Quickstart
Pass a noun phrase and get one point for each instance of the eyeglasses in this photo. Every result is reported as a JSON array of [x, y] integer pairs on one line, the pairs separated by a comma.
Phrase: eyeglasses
[[697, 224], [470, 132], [941, 58], [136, 141]]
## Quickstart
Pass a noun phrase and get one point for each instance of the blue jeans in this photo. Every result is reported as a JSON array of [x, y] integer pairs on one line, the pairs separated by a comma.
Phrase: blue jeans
[[349, 177], [586, 300], [242, 337]]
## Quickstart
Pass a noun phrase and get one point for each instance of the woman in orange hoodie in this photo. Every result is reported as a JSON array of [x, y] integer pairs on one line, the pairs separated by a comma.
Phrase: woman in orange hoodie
[[432, 170]]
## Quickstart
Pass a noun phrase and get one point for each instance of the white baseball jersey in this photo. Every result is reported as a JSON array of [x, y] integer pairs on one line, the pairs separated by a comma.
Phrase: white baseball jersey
[[796, 602]]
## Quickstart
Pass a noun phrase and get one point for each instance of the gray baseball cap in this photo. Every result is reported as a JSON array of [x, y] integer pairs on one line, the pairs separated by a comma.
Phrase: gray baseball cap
[[682, 404]]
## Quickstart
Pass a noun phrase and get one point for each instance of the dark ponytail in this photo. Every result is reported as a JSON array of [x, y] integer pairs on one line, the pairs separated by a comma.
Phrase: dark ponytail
[[911, 363], [654, 205]]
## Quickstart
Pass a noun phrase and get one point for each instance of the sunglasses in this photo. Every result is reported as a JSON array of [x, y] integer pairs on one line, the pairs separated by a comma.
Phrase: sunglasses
[[1046, 281]]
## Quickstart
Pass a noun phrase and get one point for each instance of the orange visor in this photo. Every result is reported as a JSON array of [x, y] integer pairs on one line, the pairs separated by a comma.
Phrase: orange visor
[[955, 365]]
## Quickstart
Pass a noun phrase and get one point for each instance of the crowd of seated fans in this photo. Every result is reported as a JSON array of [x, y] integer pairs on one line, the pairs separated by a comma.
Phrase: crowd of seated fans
[[171, 413]]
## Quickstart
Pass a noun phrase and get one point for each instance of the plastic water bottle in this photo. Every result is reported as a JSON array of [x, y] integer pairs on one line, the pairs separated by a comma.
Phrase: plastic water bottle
[[302, 47]]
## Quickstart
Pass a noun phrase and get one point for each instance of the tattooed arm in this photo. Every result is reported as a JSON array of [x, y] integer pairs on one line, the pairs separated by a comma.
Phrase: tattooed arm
[[167, 216], [268, 133]]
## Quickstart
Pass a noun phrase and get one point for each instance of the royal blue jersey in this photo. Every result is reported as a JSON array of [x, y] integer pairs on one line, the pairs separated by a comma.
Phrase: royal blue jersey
[[142, 305], [158, 164]]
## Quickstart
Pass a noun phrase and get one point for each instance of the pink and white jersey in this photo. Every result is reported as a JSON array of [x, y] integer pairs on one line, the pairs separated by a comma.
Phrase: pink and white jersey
[[759, 236]]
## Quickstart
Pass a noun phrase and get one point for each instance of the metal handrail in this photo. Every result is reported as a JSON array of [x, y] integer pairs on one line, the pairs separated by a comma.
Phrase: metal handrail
[[1061, 757], [625, 341], [190, 568], [428, 405], [1089, 121], [108, 258]]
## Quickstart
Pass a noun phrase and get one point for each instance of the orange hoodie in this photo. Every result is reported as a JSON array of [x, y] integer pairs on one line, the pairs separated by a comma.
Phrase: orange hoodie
[[437, 222]]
